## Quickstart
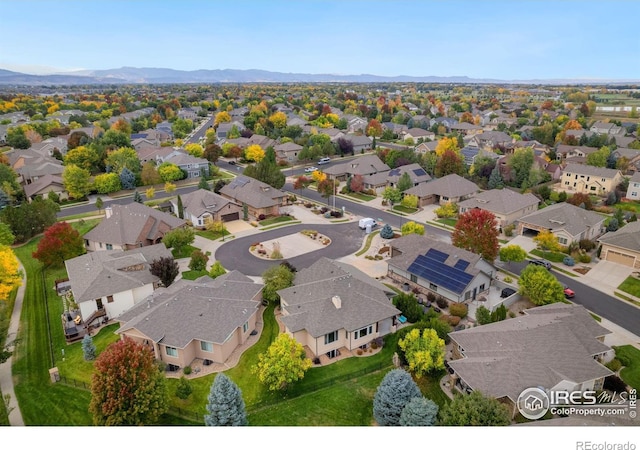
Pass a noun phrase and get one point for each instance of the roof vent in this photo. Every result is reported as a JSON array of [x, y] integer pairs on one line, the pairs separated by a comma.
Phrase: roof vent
[[337, 301]]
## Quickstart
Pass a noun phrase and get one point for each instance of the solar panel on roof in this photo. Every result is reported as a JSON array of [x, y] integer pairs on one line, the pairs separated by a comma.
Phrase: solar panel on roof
[[451, 278], [394, 172], [461, 264], [419, 172], [437, 255]]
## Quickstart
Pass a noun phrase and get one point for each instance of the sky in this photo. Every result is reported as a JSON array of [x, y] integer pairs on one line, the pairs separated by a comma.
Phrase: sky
[[505, 40]]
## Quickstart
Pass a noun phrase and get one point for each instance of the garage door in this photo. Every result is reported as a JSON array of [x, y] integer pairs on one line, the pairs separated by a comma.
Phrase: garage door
[[620, 258], [230, 217]]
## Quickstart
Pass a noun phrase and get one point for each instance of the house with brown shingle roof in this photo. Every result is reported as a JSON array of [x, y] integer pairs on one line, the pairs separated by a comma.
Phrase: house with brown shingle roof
[[450, 188], [334, 308], [507, 205], [287, 152], [259, 197], [126, 227], [557, 346], [379, 181], [590, 179], [203, 320], [202, 206], [362, 165]]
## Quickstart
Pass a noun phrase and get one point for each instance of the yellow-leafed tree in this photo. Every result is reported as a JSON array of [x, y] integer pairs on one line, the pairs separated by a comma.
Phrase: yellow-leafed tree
[[445, 144], [10, 275], [254, 153], [318, 176], [221, 117], [278, 119]]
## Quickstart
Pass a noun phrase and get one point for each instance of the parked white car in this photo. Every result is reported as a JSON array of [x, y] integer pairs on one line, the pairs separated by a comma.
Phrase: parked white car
[[310, 169]]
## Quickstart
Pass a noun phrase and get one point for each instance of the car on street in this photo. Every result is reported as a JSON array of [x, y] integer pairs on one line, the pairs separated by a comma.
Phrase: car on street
[[324, 160], [541, 262], [310, 169], [568, 292], [232, 163]]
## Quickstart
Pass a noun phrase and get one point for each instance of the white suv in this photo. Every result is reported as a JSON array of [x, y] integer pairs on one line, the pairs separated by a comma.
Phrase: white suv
[[324, 160]]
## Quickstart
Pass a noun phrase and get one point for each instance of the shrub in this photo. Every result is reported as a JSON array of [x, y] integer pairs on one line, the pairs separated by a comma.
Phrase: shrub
[[431, 297], [184, 389], [568, 261], [374, 345], [359, 352], [508, 230], [459, 310], [262, 217], [451, 320], [337, 213], [614, 383], [587, 245], [408, 305], [508, 279], [584, 258], [187, 370], [324, 209], [442, 302], [614, 365], [386, 232]]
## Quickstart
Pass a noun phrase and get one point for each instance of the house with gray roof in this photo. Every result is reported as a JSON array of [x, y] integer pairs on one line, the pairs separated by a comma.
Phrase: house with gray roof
[[507, 205], [490, 139], [622, 246], [633, 190], [288, 152], [260, 198], [360, 142], [111, 282], [631, 158], [201, 321], [202, 206], [451, 188], [429, 265], [31, 165], [362, 165], [568, 222], [417, 133], [591, 180], [130, 226], [607, 128], [557, 347], [381, 180], [194, 167], [45, 184], [334, 309]]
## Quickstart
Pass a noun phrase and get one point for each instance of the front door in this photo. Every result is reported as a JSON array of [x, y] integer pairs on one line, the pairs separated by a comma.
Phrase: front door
[[99, 304]]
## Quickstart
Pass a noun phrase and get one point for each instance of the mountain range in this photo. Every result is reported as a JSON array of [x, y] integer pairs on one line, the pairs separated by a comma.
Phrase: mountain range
[[136, 75]]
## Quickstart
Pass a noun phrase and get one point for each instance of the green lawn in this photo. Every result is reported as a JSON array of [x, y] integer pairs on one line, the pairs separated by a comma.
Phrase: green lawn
[[185, 252], [631, 286], [629, 356], [194, 274], [360, 196], [212, 235], [274, 220], [404, 209], [367, 244], [556, 257], [448, 222]]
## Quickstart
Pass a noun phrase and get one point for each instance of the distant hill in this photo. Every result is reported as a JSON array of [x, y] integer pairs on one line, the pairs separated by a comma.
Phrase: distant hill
[[162, 75]]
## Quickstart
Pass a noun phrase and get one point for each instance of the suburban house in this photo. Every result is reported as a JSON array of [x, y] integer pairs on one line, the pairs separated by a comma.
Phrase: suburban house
[[568, 222], [466, 128], [429, 265], [260, 198], [622, 246], [576, 153], [287, 152], [630, 155], [334, 308], [590, 179], [379, 181], [607, 128], [450, 188], [489, 139], [130, 226], [222, 132], [426, 147], [633, 191], [31, 165], [45, 184], [507, 205], [362, 165], [356, 123], [418, 133], [192, 166], [111, 282], [360, 143], [203, 206], [557, 346], [205, 319]]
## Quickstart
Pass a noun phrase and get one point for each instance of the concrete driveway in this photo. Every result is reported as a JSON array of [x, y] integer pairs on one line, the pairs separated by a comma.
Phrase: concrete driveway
[[607, 276]]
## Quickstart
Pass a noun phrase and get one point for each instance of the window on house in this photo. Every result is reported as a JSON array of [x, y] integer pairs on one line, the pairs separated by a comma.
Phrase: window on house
[[414, 278], [566, 182], [634, 194], [588, 178], [86, 242], [331, 337], [593, 188], [109, 247], [562, 240], [467, 295], [433, 287], [364, 331], [171, 351], [245, 327], [482, 287], [206, 346], [604, 179], [109, 298], [100, 244]]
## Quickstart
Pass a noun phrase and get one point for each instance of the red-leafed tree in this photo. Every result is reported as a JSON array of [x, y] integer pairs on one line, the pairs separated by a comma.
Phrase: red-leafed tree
[[450, 162], [59, 243], [357, 183], [374, 129], [127, 387], [477, 231], [301, 183]]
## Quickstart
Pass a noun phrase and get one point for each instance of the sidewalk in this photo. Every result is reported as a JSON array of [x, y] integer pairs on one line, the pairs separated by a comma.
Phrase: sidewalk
[[6, 377]]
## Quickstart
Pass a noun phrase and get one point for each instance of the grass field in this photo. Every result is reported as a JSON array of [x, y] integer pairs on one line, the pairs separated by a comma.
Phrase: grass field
[[274, 220], [404, 209], [360, 196], [629, 356], [631, 286]]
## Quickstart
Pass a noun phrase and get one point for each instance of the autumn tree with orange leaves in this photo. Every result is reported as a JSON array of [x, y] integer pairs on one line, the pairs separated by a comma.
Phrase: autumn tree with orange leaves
[[477, 232]]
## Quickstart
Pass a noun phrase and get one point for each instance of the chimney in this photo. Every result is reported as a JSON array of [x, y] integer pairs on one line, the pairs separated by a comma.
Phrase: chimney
[[108, 212], [337, 301]]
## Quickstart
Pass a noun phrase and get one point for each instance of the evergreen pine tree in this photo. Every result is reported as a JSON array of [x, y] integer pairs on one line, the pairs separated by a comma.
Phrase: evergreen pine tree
[[225, 404], [394, 392], [127, 179], [202, 184], [495, 179], [88, 348], [180, 208], [419, 412], [137, 197]]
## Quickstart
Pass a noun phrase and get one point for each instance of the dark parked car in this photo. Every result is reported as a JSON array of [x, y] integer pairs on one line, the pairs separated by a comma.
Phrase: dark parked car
[[506, 292], [541, 262], [232, 163]]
